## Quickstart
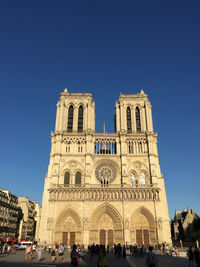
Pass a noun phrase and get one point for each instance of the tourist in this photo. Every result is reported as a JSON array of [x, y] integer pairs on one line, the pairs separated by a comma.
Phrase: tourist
[[28, 252], [190, 256], [102, 260], [60, 252], [49, 249], [53, 255], [8, 249], [34, 249], [176, 251], [39, 253], [151, 260], [74, 257], [196, 256], [124, 252]]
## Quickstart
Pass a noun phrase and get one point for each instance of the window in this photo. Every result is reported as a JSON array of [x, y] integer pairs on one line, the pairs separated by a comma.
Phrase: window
[[80, 119], [70, 119], [132, 179], [138, 123], [67, 179], [142, 179], [78, 179], [128, 116]]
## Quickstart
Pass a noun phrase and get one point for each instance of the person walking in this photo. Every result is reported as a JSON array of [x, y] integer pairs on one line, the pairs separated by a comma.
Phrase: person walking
[[74, 257], [151, 260], [53, 255], [124, 252], [61, 252], [28, 252], [196, 256], [8, 249], [190, 256], [39, 253], [102, 260]]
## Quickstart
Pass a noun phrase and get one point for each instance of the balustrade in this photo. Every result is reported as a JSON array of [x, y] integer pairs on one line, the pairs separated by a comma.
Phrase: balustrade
[[98, 193]]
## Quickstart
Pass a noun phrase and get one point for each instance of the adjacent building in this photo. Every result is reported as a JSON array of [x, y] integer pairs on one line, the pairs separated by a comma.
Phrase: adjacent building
[[19, 217], [9, 214], [104, 187], [31, 217], [182, 225]]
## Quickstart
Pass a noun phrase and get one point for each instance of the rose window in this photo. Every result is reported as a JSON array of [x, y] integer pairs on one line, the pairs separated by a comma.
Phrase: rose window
[[105, 173]]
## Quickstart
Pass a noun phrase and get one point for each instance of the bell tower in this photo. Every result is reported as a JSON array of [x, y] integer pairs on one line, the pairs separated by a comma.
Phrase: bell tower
[[133, 114], [75, 113]]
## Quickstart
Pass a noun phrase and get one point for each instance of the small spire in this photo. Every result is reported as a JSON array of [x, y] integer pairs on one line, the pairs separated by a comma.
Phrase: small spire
[[66, 90], [142, 92], [104, 127]]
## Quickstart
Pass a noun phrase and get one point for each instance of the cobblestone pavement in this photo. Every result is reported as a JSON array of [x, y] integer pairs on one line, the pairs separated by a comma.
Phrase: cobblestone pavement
[[17, 260]]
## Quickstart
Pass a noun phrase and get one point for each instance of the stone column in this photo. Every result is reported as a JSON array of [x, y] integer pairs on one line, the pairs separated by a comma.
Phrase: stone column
[[117, 118], [150, 119], [57, 117], [133, 121], [123, 119], [85, 118], [143, 119], [75, 119]]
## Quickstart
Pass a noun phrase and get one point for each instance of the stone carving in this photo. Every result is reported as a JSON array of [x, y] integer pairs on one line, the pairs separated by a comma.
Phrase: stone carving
[[137, 165], [105, 222], [160, 224], [105, 173], [69, 223], [102, 194], [49, 223], [86, 223], [73, 165], [126, 223]]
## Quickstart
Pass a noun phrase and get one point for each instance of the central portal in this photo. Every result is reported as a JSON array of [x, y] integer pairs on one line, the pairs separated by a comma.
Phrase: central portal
[[106, 226], [106, 237]]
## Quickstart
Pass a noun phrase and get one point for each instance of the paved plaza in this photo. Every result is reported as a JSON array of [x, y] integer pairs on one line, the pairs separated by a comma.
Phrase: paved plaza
[[17, 260]]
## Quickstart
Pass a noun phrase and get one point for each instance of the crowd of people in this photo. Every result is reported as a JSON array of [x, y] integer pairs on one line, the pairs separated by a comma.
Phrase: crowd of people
[[98, 253]]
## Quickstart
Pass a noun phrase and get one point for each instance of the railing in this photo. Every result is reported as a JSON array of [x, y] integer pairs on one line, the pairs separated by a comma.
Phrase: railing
[[102, 193], [109, 186]]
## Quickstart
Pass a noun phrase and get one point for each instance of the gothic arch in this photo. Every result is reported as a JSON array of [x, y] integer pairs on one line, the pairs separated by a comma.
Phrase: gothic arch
[[146, 213], [146, 175], [143, 227], [59, 222], [81, 104], [69, 104], [110, 211], [72, 166]]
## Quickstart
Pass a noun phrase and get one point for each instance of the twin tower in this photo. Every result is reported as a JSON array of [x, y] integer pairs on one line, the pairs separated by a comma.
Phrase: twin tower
[[104, 188]]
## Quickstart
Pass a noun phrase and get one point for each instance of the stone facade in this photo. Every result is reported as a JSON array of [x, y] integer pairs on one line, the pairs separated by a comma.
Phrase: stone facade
[[9, 211], [182, 225], [29, 225], [104, 187]]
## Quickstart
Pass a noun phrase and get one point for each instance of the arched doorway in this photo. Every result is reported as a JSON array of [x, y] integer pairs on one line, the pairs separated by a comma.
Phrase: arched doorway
[[106, 226], [142, 227], [68, 228]]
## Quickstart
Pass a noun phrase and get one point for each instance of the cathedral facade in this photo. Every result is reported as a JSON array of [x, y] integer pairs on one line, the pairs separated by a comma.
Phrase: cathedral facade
[[104, 188]]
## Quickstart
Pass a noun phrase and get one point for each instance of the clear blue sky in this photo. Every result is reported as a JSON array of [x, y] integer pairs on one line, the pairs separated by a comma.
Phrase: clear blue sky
[[102, 47]]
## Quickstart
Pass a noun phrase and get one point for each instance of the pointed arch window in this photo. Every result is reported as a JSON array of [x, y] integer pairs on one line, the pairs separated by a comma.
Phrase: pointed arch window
[[132, 179], [67, 179], [138, 122], [70, 119], [143, 179], [78, 179], [80, 119], [128, 117]]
